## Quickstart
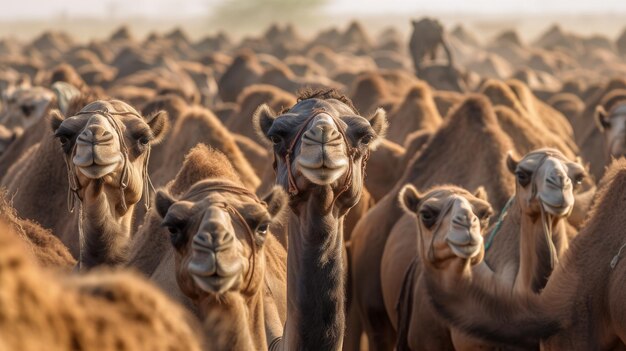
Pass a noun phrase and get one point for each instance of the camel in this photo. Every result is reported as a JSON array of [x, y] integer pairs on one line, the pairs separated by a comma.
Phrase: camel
[[245, 70], [428, 35], [416, 112], [99, 311], [581, 307], [249, 99], [48, 250], [26, 107], [320, 147], [595, 147], [7, 137], [106, 147], [450, 223], [531, 234], [199, 125], [474, 122], [610, 116], [218, 230]]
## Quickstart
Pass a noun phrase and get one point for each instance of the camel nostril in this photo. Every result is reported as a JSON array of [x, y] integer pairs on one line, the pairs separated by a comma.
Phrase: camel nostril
[[322, 132], [557, 180]]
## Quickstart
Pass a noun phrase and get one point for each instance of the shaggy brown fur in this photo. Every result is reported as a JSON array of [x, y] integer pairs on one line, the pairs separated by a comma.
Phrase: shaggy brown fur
[[100, 311], [485, 145], [416, 112], [581, 307], [47, 249], [201, 125]]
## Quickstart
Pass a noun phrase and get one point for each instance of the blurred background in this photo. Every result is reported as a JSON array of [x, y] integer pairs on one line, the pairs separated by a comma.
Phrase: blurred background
[[85, 19]]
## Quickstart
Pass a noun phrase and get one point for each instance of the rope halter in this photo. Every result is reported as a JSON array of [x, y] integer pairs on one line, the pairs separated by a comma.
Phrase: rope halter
[[351, 151]]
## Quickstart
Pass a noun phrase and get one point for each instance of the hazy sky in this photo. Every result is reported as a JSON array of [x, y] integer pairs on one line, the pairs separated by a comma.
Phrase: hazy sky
[[40, 9]]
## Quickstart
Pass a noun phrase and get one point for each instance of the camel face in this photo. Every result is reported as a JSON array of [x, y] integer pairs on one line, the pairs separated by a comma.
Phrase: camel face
[[613, 126], [218, 234], [546, 181], [26, 107], [450, 223], [107, 143], [320, 142]]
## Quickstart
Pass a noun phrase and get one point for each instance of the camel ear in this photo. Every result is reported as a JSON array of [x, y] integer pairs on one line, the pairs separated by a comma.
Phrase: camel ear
[[163, 202], [159, 123], [379, 123], [276, 201], [600, 116], [409, 199], [56, 118], [511, 162], [262, 120], [481, 193]]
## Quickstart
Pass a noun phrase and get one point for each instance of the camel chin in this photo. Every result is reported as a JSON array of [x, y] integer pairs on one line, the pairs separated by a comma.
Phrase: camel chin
[[215, 284]]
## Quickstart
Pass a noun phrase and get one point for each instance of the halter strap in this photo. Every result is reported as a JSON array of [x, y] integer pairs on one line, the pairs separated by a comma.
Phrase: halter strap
[[352, 152]]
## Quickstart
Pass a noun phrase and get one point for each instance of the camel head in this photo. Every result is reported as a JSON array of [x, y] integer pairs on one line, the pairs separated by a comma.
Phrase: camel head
[[546, 181], [612, 124], [26, 106], [107, 146], [218, 230], [321, 142], [450, 222]]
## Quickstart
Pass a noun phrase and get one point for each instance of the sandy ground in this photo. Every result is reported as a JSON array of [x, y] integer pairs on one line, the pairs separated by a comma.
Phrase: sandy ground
[[484, 26]]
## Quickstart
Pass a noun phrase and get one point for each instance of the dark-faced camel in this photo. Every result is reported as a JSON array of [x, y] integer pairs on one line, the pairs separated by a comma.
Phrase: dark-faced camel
[[320, 146]]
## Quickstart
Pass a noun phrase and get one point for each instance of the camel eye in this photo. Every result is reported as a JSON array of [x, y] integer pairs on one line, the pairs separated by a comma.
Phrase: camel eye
[[262, 229], [367, 139], [275, 139], [523, 177], [27, 109], [63, 139], [578, 180], [428, 217], [144, 140]]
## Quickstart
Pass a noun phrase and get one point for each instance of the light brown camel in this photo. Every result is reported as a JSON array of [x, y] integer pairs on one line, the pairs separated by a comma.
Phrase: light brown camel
[[199, 125], [610, 116], [26, 107], [152, 253], [450, 224], [99, 311], [428, 35], [416, 112], [245, 70], [106, 148], [219, 229], [581, 307], [475, 123], [531, 235], [46, 248], [320, 147]]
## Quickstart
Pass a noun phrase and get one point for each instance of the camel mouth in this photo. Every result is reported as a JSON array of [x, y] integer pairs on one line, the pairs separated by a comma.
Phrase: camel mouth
[[214, 284], [466, 248], [97, 171], [323, 175], [559, 210], [209, 273]]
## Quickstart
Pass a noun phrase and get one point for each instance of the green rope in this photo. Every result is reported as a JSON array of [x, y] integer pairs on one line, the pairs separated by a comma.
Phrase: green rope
[[496, 228]]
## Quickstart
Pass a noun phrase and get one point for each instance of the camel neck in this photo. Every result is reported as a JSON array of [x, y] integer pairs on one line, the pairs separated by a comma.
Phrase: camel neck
[[315, 282], [106, 232], [235, 321], [535, 248]]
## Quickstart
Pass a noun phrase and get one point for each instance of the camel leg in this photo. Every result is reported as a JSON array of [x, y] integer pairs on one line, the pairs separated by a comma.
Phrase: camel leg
[[446, 48], [352, 340]]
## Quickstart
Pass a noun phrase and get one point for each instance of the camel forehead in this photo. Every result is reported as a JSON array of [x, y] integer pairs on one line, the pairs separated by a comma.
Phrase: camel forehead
[[111, 105], [332, 106], [532, 160]]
